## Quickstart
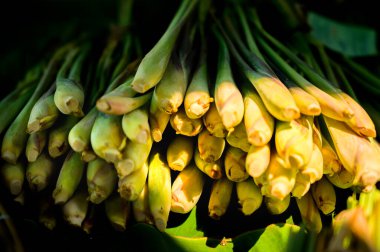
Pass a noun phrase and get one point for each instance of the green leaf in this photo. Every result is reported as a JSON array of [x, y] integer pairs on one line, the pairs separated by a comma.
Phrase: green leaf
[[187, 228], [347, 39]]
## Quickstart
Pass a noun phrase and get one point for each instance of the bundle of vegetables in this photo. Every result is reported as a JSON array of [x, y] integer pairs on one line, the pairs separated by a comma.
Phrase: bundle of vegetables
[[272, 123]]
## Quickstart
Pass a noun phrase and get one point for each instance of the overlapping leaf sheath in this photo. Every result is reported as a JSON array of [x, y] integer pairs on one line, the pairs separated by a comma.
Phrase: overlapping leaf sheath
[[238, 138], [107, 137], [220, 197], [135, 125], [40, 173], [210, 147], [213, 122], [309, 213], [234, 164], [249, 196], [184, 125], [140, 207], [187, 189], [101, 180], [324, 195], [35, 144], [75, 209], [359, 155], [257, 160], [130, 186], [12, 177], [58, 136], [213, 170], [69, 178], [180, 152], [277, 206], [159, 188]]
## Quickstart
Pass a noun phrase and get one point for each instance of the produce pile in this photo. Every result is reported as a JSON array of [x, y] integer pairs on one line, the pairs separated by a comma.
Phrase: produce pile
[[217, 98]]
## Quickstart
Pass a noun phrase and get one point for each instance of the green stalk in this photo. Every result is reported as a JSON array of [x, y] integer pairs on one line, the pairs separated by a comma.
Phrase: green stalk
[[80, 134], [35, 144], [58, 136], [154, 63], [69, 178], [12, 104], [44, 112], [118, 211], [266, 84], [40, 173], [330, 106], [248, 35], [69, 95], [12, 176], [318, 80], [75, 209], [16, 135], [101, 180]]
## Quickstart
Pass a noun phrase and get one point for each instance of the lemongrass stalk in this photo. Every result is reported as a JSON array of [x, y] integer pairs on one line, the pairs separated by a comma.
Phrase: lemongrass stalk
[[314, 169], [158, 119], [257, 160], [361, 123], [154, 63], [359, 155], [309, 213], [105, 63], [118, 212], [259, 124], [220, 197], [39, 173], [180, 152], [170, 91], [101, 180], [331, 162], [44, 113], [80, 134], [130, 186], [228, 99], [35, 144], [210, 147], [134, 157], [16, 136], [135, 125], [324, 195], [75, 209], [276, 206], [197, 98], [184, 125], [213, 122], [69, 94], [238, 138], [294, 141], [159, 188], [249, 196], [122, 100], [69, 178], [266, 84], [280, 180], [213, 170], [107, 137], [330, 106], [342, 179], [13, 104], [317, 135], [187, 189], [12, 176], [234, 164], [302, 185], [140, 207], [58, 137]]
